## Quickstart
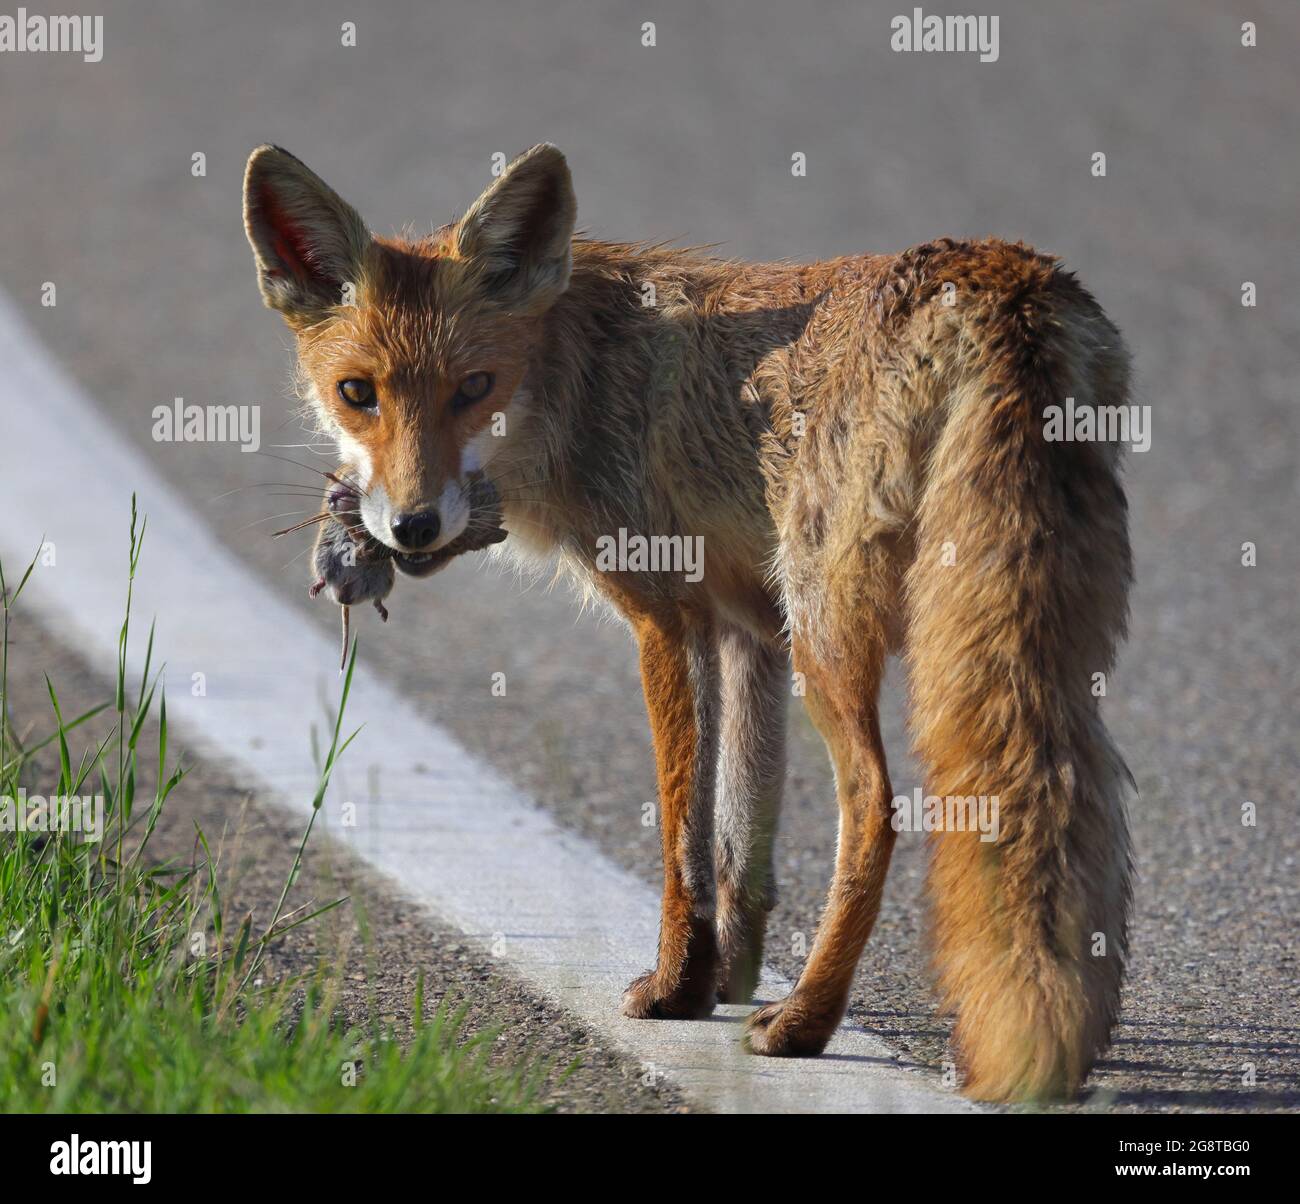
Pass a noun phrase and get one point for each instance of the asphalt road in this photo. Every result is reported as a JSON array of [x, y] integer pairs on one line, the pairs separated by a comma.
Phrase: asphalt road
[[692, 139]]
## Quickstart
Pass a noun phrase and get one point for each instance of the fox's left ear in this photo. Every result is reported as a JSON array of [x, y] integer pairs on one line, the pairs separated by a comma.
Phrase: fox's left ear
[[308, 241], [519, 232]]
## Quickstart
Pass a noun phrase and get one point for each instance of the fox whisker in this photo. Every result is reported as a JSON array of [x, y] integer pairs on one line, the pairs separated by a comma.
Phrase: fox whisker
[[329, 476], [307, 522]]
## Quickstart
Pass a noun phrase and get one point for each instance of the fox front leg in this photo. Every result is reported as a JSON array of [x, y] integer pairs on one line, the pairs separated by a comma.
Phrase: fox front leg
[[680, 674]]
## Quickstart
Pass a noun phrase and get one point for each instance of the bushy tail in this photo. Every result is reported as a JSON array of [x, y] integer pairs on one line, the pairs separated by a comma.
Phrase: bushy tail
[[1017, 597]]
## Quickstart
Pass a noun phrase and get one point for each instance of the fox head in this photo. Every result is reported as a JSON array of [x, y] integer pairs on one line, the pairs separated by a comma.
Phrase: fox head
[[410, 351]]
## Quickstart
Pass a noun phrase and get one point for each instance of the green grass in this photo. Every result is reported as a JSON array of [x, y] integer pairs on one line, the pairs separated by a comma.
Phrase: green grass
[[125, 988]]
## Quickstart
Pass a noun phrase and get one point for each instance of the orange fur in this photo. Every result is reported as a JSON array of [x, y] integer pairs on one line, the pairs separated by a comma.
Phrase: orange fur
[[860, 446]]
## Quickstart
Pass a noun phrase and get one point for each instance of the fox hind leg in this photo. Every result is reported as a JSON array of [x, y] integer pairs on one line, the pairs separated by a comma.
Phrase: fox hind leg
[[841, 698], [751, 771]]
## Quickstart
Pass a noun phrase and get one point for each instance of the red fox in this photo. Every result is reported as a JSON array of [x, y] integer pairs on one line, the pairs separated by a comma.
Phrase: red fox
[[859, 448]]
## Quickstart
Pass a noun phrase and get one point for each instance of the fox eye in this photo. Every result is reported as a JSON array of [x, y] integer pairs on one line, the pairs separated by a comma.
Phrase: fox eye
[[475, 387], [359, 393]]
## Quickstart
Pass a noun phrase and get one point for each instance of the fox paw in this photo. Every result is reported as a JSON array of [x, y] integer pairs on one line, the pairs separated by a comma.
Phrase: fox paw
[[737, 985], [739, 968], [786, 1029], [649, 998]]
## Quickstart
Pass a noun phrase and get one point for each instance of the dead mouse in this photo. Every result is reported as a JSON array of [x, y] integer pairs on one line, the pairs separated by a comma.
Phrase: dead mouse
[[355, 568]]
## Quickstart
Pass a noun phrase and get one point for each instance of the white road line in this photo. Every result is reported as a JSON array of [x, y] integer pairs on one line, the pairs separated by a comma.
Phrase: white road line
[[456, 837]]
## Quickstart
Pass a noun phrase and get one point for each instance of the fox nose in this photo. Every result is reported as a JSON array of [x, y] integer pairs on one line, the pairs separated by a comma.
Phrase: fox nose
[[416, 531]]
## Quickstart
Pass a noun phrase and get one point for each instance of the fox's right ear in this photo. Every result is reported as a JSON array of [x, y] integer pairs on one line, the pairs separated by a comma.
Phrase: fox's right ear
[[308, 242]]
